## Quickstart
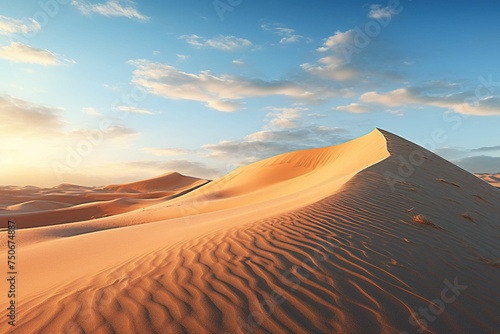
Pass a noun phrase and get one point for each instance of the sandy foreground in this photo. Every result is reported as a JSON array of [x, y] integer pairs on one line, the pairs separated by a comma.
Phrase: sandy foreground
[[377, 235]]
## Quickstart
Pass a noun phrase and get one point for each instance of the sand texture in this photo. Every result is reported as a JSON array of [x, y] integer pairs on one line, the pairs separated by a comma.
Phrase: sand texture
[[354, 238]]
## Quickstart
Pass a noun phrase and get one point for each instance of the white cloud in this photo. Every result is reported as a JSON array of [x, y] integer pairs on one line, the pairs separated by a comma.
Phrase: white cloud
[[91, 111], [9, 26], [379, 12], [339, 38], [338, 64], [111, 8], [284, 118], [182, 58], [22, 53], [288, 35], [461, 102], [238, 62], [353, 57], [134, 110], [354, 108], [220, 42], [223, 93]]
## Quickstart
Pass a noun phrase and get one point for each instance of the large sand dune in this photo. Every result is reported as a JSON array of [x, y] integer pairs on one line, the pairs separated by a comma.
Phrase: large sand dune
[[376, 235]]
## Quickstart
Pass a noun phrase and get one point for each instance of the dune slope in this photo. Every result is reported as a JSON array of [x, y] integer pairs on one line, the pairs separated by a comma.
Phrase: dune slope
[[404, 243], [39, 207]]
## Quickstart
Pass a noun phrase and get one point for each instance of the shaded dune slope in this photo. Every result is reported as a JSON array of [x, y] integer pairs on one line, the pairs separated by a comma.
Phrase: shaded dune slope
[[353, 261]]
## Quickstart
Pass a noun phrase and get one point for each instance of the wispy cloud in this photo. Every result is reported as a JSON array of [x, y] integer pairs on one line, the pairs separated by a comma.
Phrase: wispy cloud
[[283, 131], [461, 102], [487, 149], [337, 65], [316, 115], [223, 93], [90, 111], [354, 108], [111, 8], [379, 12], [220, 42], [288, 35], [266, 143], [134, 110], [182, 58], [284, 118], [22, 53], [9, 26], [20, 117]]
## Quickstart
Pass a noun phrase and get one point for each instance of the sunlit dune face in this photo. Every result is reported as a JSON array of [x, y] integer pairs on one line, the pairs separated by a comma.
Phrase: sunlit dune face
[[316, 238]]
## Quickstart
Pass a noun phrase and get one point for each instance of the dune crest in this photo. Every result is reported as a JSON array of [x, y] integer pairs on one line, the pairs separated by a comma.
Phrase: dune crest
[[314, 241], [172, 181]]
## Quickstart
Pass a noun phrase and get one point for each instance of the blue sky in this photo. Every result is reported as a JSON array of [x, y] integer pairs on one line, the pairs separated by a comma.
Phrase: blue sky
[[98, 92]]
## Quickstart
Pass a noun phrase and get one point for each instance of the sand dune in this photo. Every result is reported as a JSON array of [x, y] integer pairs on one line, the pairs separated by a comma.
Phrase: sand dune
[[171, 181], [70, 203], [354, 238], [37, 205], [493, 179]]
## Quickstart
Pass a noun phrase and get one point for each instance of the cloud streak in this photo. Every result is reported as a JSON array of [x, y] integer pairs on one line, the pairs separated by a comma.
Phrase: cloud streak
[[22, 53], [461, 102], [134, 110], [111, 8], [288, 35], [220, 42], [20, 117], [10, 26], [223, 93]]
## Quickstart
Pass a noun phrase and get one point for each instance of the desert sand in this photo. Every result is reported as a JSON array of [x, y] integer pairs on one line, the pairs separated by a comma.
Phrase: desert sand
[[493, 179], [377, 235]]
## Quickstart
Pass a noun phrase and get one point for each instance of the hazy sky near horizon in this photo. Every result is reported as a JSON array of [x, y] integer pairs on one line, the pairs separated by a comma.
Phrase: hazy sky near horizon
[[109, 91]]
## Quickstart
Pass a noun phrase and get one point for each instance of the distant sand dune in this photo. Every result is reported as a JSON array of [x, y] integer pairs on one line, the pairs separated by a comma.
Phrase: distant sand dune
[[493, 179], [37, 205], [69, 203], [348, 258], [170, 181]]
